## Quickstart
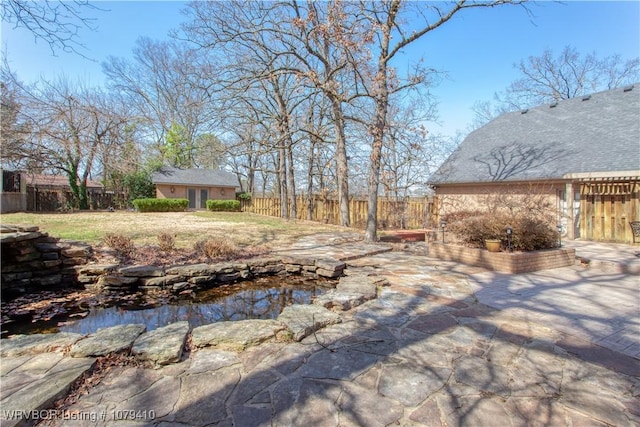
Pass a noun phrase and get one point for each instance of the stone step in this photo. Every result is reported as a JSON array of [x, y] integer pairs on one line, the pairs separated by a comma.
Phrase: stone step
[[303, 320], [21, 345], [162, 346], [107, 340], [237, 335]]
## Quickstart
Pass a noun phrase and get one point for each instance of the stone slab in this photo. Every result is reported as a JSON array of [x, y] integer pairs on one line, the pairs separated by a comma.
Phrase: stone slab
[[114, 280], [237, 335], [142, 271], [340, 300], [163, 345], [332, 274], [193, 270], [96, 269], [367, 285], [426, 352], [37, 343], [331, 264], [303, 320], [76, 250], [162, 282], [107, 340], [298, 260], [40, 394]]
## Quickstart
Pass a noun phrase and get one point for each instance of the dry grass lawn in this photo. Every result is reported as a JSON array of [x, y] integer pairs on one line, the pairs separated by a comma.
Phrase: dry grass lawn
[[243, 229]]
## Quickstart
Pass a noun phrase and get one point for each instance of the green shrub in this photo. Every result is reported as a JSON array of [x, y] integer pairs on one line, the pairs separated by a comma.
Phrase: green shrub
[[528, 233], [161, 205], [223, 205], [243, 195], [139, 185]]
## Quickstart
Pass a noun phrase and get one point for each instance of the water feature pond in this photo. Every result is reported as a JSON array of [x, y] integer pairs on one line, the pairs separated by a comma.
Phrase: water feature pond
[[262, 298]]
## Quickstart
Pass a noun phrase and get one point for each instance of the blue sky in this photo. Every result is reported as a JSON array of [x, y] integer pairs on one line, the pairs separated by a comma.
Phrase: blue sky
[[477, 49]]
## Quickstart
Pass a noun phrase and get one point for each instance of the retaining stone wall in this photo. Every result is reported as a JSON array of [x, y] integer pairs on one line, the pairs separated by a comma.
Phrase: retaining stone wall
[[33, 260], [197, 276], [505, 262]]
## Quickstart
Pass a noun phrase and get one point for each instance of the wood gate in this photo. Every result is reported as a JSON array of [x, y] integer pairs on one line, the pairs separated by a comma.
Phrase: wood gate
[[606, 209]]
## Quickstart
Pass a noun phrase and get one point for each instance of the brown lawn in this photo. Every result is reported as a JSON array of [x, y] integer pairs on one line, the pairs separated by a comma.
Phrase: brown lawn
[[243, 229]]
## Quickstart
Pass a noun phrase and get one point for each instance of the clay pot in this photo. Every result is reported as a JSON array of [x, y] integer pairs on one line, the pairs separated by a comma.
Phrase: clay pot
[[493, 245]]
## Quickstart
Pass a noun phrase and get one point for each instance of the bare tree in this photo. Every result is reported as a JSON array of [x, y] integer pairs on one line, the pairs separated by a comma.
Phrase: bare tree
[[164, 86], [57, 23], [310, 41], [243, 141], [13, 131], [316, 133], [257, 73], [324, 37], [343, 50], [390, 21], [409, 149], [71, 125], [549, 78], [210, 153], [120, 159]]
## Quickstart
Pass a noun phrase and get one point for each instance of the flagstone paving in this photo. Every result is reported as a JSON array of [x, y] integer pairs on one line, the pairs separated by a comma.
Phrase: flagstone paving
[[442, 344]]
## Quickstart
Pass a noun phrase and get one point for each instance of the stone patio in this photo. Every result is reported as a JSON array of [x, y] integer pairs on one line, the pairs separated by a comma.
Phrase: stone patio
[[442, 344]]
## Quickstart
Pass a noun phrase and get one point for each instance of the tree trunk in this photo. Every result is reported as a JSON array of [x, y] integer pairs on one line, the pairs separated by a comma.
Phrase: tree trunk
[[282, 180], [84, 196], [310, 180], [381, 96], [342, 168], [374, 168], [288, 194], [292, 181]]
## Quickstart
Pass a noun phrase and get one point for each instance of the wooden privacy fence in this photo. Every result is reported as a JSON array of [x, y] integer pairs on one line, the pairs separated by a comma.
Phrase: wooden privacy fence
[[52, 200], [410, 213], [607, 208]]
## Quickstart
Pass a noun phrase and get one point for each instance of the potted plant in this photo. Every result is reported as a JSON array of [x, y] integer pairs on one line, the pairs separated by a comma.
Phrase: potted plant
[[493, 245]]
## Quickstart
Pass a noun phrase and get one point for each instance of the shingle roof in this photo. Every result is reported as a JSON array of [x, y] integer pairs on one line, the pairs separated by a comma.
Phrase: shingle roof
[[593, 134], [210, 177]]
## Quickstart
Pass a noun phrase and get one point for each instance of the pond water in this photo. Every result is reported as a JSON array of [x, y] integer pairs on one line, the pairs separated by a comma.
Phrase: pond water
[[262, 298]]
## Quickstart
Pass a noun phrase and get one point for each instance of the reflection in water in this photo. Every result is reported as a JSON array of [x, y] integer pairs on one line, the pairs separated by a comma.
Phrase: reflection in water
[[259, 299]]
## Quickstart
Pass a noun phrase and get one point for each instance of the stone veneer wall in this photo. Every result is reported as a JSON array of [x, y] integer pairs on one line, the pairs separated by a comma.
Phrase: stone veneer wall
[[33, 260], [505, 262]]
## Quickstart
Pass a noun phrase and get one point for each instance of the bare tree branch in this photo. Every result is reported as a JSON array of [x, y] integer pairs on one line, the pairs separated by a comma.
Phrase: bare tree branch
[[57, 23]]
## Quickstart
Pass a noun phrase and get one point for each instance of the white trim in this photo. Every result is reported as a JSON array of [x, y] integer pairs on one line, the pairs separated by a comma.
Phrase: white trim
[[609, 174]]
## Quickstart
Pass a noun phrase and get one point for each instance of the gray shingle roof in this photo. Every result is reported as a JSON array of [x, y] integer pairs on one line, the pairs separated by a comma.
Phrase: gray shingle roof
[[209, 177], [595, 135]]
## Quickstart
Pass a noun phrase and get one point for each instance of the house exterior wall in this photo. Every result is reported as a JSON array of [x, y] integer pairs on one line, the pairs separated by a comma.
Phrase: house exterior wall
[[597, 210], [13, 202], [454, 198], [10, 199], [551, 200], [164, 191]]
